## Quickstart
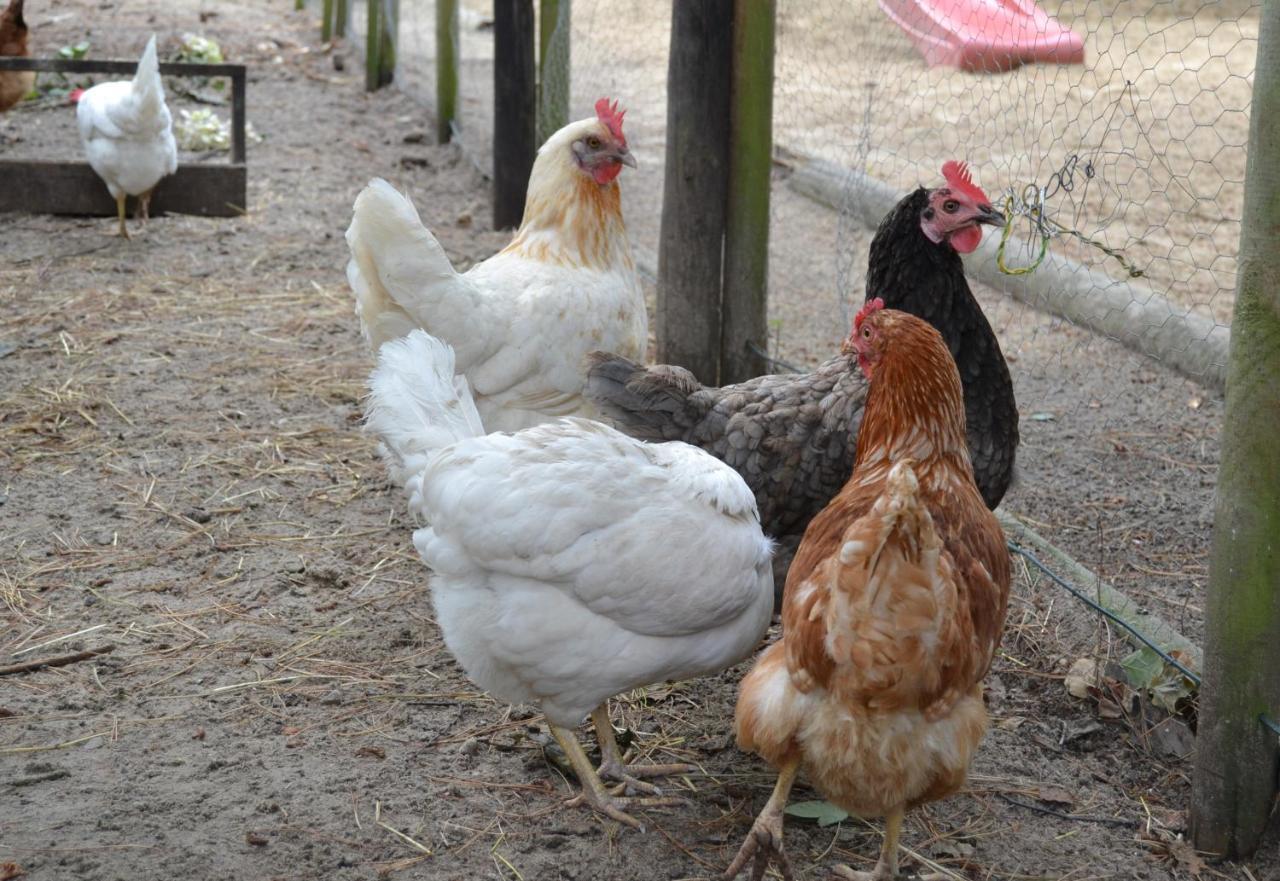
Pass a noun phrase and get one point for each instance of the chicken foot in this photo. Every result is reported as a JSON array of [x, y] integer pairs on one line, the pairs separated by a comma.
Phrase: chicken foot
[[614, 769], [594, 794], [764, 841], [887, 867]]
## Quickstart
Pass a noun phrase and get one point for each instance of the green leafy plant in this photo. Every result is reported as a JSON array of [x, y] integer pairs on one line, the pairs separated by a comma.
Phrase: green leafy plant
[[1148, 671], [75, 52]]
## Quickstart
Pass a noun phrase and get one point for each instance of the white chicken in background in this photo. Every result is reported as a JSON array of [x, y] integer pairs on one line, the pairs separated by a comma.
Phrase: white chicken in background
[[128, 134], [521, 321], [571, 563]]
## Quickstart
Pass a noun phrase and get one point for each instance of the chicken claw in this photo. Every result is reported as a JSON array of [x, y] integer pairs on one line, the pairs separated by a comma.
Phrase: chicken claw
[[614, 769], [594, 794], [887, 867], [764, 842]]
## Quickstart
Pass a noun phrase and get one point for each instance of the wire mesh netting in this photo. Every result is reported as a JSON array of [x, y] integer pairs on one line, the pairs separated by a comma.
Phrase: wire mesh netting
[[1126, 170]]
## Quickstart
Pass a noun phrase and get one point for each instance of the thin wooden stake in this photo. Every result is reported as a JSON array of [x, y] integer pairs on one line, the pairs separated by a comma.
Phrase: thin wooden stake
[[326, 21], [372, 44], [744, 335], [446, 69], [340, 18]]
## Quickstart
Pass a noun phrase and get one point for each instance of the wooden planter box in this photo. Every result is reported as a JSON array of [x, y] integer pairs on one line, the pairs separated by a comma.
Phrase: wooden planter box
[[48, 187]]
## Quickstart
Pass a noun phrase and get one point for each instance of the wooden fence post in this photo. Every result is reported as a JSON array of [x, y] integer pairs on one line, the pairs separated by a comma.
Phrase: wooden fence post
[[380, 43], [515, 101], [1236, 758], [744, 333], [340, 18], [446, 69], [326, 21], [553, 66], [694, 197]]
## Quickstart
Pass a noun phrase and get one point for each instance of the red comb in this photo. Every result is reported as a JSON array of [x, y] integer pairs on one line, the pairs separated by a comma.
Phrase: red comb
[[958, 178], [870, 307], [611, 116]]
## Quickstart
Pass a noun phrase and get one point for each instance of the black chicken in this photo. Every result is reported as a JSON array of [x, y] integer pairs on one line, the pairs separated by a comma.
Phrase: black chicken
[[792, 436]]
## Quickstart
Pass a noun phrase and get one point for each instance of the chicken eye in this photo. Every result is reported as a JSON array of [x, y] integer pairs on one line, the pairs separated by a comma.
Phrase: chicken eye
[[866, 333], [950, 206], [593, 142]]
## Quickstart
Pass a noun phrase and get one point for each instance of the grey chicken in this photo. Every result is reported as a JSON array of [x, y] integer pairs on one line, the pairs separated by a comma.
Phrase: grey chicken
[[792, 436]]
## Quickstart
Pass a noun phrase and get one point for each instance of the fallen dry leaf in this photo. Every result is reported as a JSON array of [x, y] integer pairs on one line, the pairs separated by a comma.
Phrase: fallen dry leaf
[[1080, 677], [255, 839], [10, 870], [373, 752]]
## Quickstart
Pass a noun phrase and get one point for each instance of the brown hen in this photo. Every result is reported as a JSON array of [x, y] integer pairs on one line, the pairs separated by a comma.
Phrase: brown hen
[[14, 84], [893, 610]]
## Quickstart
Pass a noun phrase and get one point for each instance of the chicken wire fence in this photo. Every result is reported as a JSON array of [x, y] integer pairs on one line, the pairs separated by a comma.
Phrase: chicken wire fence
[[1126, 169]]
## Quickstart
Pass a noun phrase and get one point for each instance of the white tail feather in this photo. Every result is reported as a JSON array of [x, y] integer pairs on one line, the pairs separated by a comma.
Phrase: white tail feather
[[400, 274], [417, 405], [148, 90]]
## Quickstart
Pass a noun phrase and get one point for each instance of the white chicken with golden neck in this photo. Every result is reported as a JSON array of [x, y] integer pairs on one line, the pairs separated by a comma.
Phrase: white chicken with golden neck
[[521, 321]]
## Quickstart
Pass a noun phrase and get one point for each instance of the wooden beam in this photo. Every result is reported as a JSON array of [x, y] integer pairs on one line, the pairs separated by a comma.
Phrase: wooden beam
[[515, 101], [446, 69], [553, 67], [744, 335], [85, 65], [326, 21], [43, 187], [695, 187]]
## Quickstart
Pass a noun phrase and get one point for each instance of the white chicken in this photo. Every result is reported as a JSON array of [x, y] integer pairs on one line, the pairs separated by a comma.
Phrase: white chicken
[[522, 321], [571, 563], [128, 134]]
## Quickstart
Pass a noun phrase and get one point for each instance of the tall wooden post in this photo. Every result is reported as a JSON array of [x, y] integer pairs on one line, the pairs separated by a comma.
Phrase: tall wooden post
[[515, 101], [694, 196], [553, 66], [744, 333], [446, 69], [1236, 758]]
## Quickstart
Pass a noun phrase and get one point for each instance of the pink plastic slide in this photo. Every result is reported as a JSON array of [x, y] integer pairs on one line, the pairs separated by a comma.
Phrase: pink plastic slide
[[984, 35]]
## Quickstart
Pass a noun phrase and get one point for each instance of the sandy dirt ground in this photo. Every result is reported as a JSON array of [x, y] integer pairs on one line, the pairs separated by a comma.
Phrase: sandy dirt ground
[[183, 481]]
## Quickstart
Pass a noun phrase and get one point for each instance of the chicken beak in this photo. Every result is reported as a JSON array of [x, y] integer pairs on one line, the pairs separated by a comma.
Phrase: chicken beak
[[990, 216], [626, 157]]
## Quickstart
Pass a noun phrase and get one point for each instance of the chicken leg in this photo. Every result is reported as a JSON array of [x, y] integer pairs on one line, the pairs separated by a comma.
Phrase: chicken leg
[[887, 867], [120, 199], [144, 205], [614, 769], [593, 792], [764, 842]]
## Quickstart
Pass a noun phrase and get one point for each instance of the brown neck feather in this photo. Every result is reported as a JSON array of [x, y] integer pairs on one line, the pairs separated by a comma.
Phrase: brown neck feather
[[915, 407]]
